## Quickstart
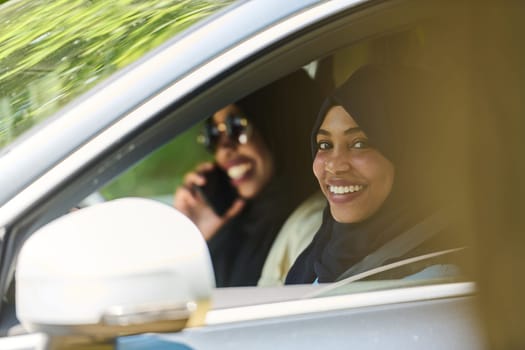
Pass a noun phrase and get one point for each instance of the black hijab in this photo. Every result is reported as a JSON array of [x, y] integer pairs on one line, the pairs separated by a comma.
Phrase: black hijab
[[392, 106], [282, 114]]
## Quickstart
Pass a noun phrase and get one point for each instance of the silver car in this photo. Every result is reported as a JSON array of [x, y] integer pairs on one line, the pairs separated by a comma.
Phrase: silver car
[[90, 89]]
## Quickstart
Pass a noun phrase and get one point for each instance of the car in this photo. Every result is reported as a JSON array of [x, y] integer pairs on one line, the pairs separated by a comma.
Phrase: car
[[73, 131]]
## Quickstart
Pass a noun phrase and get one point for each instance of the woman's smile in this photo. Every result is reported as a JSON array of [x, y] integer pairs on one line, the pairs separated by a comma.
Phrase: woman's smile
[[240, 170], [337, 190], [341, 190]]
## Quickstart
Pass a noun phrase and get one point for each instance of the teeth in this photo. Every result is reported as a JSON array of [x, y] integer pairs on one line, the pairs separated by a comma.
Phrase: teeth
[[345, 189], [237, 171]]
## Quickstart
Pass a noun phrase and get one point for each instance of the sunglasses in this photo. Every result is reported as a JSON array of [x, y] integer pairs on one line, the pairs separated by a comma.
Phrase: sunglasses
[[236, 128]]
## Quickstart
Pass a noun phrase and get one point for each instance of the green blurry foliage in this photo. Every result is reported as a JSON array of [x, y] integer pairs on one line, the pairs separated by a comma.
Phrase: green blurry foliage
[[53, 51], [161, 172]]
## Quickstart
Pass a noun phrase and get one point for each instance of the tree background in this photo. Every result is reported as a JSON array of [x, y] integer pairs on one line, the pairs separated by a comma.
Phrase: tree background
[[51, 52]]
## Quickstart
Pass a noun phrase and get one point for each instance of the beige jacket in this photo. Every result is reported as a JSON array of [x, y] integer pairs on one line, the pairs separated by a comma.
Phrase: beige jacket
[[295, 235]]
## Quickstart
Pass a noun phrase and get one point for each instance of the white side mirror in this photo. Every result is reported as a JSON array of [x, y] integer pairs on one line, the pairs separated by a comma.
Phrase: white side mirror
[[120, 267]]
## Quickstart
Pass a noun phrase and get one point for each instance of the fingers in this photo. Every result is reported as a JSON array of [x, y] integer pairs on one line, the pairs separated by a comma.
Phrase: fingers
[[186, 199], [235, 209], [189, 201], [196, 178], [193, 179]]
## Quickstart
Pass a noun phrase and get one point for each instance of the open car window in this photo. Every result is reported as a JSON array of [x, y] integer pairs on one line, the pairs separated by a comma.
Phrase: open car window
[[159, 175]]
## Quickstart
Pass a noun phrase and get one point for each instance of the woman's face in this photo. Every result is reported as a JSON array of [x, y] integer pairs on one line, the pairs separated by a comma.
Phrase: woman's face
[[249, 165], [355, 178]]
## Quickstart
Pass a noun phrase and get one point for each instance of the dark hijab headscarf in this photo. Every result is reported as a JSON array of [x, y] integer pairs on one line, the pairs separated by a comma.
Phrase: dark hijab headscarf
[[282, 113], [396, 109]]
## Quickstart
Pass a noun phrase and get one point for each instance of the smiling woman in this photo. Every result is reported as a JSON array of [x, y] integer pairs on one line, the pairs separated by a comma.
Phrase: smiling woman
[[371, 162], [262, 152]]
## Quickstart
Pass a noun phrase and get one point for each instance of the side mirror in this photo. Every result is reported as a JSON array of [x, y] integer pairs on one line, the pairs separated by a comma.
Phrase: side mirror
[[120, 267]]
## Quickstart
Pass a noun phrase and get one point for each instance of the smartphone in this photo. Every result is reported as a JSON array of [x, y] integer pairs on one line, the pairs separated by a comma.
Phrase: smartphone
[[218, 191]]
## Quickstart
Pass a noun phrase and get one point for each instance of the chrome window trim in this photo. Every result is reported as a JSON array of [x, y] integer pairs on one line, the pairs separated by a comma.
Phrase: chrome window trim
[[341, 302], [67, 167]]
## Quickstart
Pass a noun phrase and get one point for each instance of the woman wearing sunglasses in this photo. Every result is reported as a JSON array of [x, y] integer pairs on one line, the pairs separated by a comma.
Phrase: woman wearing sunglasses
[[260, 145]]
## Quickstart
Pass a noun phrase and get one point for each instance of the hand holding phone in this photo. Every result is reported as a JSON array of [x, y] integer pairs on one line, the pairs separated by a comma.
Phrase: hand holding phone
[[218, 192]]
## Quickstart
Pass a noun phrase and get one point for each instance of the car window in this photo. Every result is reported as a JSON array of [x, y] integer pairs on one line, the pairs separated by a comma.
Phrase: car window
[[55, 51], [159, 175]]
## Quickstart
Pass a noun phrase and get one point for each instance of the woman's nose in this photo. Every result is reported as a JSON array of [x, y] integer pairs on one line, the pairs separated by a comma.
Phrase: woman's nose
[[337, 163], [225, 147], [225, 141]]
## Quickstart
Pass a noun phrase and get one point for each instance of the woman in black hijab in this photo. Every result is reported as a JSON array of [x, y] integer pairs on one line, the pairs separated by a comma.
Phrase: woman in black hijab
[[259, 141], [378, 162]]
